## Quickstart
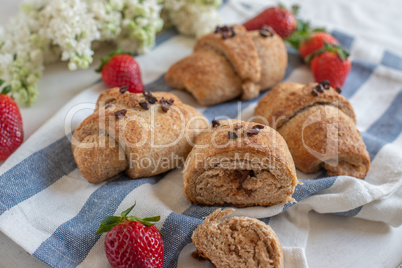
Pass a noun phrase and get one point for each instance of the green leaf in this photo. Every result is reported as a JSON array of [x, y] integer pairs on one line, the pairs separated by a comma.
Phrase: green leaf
[[125, 213], [1, 82], [154, 219], [134, 218], [6, 90], [103, 228], [111, 220], [295, 9], [343, 54], [104, 61]]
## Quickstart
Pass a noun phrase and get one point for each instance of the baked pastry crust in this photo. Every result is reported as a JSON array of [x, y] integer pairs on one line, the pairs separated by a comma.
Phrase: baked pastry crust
[[142, 142], [246, 171], [318, 128], [223, 69], [237, 242]]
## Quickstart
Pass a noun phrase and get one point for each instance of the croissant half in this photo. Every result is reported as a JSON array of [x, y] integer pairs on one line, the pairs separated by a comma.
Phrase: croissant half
[[237, 242], [318, 125], [222, 68], [240, 164], [142, 135]]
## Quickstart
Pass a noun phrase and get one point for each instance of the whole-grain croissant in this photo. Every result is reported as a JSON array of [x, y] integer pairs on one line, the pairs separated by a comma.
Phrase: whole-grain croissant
[[240, 164], [237, 242], [142, 134], [229, 63], [318, 125]]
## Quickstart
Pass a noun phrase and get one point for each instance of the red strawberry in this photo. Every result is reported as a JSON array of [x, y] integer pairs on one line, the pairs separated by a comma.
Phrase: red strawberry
[[315, 42], [121, 70], [132, 242], [11, 132], [280, 19], [330, 63]]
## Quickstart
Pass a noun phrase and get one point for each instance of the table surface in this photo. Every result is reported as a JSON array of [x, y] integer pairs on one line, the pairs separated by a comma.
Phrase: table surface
[[376, 22]]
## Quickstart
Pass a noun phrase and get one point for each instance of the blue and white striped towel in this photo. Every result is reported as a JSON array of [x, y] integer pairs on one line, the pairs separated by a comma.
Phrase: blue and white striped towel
[[52, 212]]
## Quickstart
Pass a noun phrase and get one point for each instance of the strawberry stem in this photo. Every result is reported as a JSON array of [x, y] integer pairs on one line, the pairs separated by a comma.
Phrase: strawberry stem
[[109, 222], [342, 53], [105, 60], [302, 33], [6, 89]]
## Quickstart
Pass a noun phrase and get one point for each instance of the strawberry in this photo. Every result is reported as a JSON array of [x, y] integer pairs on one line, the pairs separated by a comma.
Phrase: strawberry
[[315, 42], [279, 18], [121, 69], [132, 241], [11, 131], [330, 63]]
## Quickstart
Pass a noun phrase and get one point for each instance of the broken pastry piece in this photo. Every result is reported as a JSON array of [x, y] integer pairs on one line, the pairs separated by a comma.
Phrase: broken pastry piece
[[239, 164], [237, 242], [318, 125], [229, 63]]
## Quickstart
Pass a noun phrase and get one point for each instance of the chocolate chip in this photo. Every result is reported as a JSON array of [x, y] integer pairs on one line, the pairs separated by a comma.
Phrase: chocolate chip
[[149, 97], [120, 113], [232, 135], [215, 123], [258, 127], [252, 174], [238, 127], [319, 88], [325, 84], [225, 31], [266, 31], [241, 174], [338, 90], [144, 105], [108, 106], [225, 35], [314, 92], [165, 104], [252, 132], [248, 192], [123, 89]]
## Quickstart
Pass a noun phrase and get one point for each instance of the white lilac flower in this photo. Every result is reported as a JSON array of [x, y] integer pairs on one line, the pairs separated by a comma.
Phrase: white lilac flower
[[193, 17], [46, 30]]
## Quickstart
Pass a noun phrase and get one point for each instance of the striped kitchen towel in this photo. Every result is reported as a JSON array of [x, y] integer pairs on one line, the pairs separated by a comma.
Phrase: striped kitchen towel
[[52, 212]]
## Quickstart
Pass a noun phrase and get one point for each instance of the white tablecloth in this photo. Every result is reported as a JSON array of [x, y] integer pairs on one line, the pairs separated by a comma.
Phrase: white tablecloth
[[375, 22]]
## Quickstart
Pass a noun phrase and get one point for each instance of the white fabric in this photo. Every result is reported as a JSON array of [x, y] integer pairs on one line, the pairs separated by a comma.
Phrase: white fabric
[[310, 236]]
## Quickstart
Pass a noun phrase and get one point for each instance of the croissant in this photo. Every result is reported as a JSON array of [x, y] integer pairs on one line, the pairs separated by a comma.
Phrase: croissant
[[240, 164], [142, 134], [237, 242], [229, 63], [318, 125]]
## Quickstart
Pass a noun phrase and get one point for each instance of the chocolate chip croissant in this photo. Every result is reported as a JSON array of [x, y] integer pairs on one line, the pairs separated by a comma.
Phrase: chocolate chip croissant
[[237, 242], [240, 164], [318, 125], [229, 63], [142, 134]]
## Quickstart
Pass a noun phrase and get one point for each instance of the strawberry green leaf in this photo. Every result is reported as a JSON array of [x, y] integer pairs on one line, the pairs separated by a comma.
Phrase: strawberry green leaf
[[302, 33], [143, 221], [1, 82], [154, 219], [295, 9], [6, 90], [342, 53], [104, 61], [103, 228], [111, 220], [125, 213]]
